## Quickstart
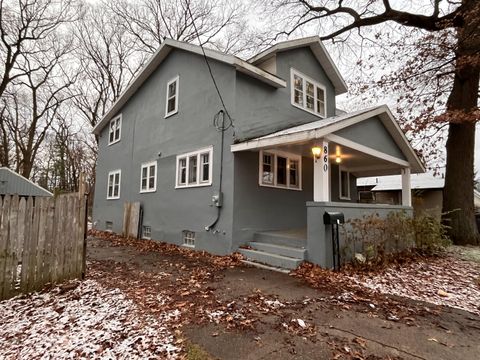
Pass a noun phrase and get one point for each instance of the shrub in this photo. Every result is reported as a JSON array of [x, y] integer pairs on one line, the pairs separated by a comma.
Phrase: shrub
[[374, 237]]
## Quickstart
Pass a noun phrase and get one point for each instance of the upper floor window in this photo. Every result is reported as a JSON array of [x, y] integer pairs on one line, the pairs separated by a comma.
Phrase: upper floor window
[[195, 168], [114, 129], [148, 177], [113, 187], [308, 94], [280, 169], [172, 97], [344, 183]]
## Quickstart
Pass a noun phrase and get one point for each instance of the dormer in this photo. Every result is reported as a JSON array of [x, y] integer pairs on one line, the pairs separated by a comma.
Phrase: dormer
[[268, 60]]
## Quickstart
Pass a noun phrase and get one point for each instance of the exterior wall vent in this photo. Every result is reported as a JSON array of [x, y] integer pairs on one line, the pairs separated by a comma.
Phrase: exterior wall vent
[[146, 232], [188, 238]]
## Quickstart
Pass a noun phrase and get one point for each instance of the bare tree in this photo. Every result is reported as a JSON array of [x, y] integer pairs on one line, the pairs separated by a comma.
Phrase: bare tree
[[22, 23], [33, 100], [108, 58], [66, 154], [458, 20], [221, 24]]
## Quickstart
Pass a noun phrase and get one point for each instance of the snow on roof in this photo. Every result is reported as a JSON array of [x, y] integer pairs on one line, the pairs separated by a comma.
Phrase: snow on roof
[[394, 182]]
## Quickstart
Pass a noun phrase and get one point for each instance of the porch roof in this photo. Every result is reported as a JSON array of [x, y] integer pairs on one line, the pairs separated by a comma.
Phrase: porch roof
[[325, 128]]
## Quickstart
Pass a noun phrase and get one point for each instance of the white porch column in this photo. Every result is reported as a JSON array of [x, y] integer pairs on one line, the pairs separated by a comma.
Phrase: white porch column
[[321, 175], [406, 188]]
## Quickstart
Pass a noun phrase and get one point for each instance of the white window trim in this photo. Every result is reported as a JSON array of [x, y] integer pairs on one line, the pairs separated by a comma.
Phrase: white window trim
[[143, 230], [340, 169], [118, 117], [114, 172], [147, 165], [289, 157], [208, 150], [184, 237], [174, 111], [294, 72]]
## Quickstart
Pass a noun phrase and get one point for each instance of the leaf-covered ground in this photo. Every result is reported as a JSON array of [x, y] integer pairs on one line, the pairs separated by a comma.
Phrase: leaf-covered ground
[[82, 320], [445, 281], [144, 299]]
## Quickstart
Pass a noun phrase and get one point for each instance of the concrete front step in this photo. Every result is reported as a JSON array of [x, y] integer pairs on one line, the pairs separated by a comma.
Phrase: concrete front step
[[277, 238], [271, 259], [288, 251]]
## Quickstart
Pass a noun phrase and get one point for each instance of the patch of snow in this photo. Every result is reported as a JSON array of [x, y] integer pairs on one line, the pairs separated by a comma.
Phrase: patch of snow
[[87, 322], [444, 281], [274, 304]]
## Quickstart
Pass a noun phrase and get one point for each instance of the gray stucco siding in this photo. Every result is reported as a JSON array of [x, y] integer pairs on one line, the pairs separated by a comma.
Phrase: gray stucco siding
[[261, 109], [264, 208], [303, 60], [148, 136], [372, 133]]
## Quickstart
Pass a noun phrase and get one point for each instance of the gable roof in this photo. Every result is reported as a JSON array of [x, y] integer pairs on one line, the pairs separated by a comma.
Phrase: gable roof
[[324, 127], [163, 51], [13, 183], [318, 50]]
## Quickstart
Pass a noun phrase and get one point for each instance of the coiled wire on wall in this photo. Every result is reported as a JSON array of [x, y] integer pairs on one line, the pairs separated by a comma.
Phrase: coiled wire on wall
[[222, 122]]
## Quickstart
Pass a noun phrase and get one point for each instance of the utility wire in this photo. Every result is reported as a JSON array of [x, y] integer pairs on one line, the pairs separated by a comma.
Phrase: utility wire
[[210, 69]]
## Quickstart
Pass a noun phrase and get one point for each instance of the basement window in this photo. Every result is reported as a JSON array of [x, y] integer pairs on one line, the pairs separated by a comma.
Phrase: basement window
[[280, 169], [188, 238], [146, 232], [108, 226]]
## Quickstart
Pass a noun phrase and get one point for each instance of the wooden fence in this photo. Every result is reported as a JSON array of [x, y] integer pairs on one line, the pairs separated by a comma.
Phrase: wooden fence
[[42, 240]]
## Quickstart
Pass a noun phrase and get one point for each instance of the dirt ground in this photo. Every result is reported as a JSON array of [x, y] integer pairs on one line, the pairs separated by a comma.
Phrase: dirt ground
[[240, 312]]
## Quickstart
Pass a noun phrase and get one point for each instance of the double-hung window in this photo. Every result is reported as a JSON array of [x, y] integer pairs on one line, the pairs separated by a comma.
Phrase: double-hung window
[[114, 130], [344, 183], [308, 94], [171, 106], [280, 169], [148, 177], [194, 169], [113, 186]]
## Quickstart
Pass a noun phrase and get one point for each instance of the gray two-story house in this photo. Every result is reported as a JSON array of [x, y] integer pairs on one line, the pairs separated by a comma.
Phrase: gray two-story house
[[257, 165]]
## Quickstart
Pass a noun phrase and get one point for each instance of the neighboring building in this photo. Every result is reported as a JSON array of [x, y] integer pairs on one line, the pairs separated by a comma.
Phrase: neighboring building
[[12, 183], [286, 158], [427, 192]]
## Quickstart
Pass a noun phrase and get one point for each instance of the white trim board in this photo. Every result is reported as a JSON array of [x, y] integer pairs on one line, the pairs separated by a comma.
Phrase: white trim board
[[366, 150], [163, 51], [318, 49], [322, 128]]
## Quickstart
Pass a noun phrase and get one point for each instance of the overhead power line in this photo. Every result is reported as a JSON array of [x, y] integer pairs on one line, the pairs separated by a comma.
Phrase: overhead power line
[[208, 66]]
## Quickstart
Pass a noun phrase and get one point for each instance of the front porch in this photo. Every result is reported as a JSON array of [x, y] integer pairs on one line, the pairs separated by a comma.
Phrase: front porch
[[337, 151]]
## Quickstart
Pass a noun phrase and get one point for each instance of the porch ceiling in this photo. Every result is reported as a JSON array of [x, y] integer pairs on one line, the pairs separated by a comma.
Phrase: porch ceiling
[[358, 163]]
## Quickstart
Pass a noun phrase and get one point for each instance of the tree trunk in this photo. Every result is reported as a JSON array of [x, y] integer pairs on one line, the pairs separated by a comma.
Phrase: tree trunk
[[458, 191], [459, 175]]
